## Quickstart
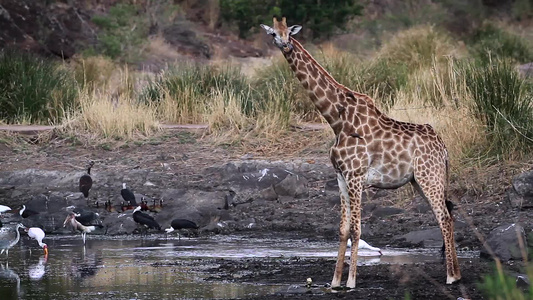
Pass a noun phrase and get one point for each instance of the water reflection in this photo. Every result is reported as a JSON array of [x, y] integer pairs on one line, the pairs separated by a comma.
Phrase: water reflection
[[37, 271], [9, 282], [125, 268], [86, 265]]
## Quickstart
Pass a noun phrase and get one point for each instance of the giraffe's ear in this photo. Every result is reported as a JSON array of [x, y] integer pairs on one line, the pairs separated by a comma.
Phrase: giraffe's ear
[[268, 29], [294, 29]]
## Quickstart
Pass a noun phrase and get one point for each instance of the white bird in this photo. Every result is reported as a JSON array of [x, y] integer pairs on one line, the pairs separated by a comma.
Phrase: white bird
[[4, 208], [9, 236], [364, 245], [71, 218], [37, 234]]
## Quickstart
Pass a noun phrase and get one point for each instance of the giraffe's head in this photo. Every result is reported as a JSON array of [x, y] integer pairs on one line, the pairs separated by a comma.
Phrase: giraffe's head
[[281, 33]]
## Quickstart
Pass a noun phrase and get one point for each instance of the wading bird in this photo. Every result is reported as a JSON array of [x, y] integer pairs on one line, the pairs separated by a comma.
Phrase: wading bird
[[71, 219], [145, 219], [128, 195], [9, 237], [37, 234], [86, 181], [178, 224]]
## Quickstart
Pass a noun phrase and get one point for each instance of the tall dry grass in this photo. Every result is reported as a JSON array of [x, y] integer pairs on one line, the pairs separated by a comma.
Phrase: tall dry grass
[[103, 117]]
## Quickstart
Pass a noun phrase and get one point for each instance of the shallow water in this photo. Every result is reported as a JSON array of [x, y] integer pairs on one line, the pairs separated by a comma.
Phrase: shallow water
[[154, 268]]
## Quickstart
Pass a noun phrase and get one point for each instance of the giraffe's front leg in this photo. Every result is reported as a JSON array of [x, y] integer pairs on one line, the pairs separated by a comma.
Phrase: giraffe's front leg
[[344, 232], [355, 189]]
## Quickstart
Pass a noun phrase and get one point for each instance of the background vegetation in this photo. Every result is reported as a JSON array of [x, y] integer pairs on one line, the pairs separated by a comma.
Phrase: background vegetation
[[417, 66], [449, 63]]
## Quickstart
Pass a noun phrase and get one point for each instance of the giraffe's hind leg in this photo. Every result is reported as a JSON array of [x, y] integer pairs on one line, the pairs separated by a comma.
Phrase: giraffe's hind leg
[[431, 185]]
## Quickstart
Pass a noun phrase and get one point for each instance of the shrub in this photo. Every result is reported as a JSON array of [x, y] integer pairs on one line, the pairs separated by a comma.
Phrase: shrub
[[192, 85], [503, 102], [123, 30], [33, 89], [320, 17], [492, 41]]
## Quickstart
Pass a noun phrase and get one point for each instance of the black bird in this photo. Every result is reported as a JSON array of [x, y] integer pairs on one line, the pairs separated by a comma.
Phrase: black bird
[[178, 224], [128, 195], [145, 219], [26, 212], [86, 217], [86, 182]]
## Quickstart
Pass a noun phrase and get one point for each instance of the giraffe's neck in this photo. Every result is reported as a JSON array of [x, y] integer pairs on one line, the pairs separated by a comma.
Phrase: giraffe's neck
[[322, 88]]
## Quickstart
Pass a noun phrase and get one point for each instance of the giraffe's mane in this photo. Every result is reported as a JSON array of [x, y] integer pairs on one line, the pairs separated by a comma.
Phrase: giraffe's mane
[[328, 76]]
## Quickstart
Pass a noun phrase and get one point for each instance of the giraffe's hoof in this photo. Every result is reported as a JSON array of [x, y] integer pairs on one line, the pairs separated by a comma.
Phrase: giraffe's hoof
[[450, 279]]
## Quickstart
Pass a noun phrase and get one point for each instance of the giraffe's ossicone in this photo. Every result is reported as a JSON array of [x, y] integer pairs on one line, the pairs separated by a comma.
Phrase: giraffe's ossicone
[[370, 150]]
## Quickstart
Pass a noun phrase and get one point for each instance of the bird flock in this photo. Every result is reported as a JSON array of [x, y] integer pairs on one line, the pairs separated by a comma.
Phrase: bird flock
[[84, 220]]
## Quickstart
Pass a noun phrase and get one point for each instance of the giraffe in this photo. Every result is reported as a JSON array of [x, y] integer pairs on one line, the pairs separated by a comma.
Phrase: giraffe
[[370, 150]]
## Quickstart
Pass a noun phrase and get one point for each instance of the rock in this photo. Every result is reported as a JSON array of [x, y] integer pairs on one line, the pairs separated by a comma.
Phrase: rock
[[382, 212], [50, 27], [293, 185], [423, 238], [503, 241], [186, 41], [122, 223], [521, 194], [268, 194], [526, 70]]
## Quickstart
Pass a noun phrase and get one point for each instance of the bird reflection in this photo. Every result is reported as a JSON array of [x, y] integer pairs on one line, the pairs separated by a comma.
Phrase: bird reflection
[[87, 266], [9, 276], [37, 271]]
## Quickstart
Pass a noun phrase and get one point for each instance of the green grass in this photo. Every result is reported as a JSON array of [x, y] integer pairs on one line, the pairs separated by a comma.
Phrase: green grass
[[33, 89], [493, 41], [500, 286], [503, 101]]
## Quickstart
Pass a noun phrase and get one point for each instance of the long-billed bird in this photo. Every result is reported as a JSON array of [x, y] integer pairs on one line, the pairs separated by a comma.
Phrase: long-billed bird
[[365, 245], [71, 219], [37, 234], [128, 195], [145, 219], [26, 212], [178, 224], [86, 217], [86, 181], [9, 237]]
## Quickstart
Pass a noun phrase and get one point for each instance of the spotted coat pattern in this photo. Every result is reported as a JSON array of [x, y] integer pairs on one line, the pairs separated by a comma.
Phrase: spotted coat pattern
[[371, 150]]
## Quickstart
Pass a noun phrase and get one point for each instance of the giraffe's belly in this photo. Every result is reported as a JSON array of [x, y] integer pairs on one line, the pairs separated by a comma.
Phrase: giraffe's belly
[[385, 179]]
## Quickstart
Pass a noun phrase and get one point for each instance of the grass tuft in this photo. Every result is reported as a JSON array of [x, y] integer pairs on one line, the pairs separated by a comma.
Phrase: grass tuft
[[34, 90], [503, 101]]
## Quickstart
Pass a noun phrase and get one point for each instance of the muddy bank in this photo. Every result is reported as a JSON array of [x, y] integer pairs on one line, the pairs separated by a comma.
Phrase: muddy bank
[[419, 281], [228, 192]]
